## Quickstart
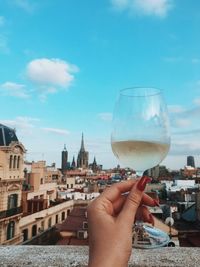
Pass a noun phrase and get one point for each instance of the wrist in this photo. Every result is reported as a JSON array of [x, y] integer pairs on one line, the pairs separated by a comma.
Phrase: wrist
[[107, 260]]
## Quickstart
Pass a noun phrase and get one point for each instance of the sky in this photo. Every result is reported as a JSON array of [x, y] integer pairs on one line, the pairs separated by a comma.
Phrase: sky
[[62, 64]]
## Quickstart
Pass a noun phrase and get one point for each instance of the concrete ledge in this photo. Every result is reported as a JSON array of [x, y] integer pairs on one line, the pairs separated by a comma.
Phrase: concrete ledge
[[73, 256]]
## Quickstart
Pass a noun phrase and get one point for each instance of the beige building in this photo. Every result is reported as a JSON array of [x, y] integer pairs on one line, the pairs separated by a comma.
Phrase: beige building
[[41, 207], [11, 179]]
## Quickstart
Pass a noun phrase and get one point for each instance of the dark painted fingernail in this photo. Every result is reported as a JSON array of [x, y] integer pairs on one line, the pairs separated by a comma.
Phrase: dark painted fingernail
[[156, 202], [142, 182], [151, 219]]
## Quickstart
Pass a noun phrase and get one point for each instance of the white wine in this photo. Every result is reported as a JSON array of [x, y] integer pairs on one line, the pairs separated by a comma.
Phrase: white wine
[[140, 155]]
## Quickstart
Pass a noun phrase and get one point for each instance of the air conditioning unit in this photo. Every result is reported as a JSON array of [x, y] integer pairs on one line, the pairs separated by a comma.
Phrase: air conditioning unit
[[82, 234], [85, 225]]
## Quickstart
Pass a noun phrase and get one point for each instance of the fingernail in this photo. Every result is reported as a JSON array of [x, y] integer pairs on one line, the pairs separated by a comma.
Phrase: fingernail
[[142, 182], [156, 202], [151, 219]]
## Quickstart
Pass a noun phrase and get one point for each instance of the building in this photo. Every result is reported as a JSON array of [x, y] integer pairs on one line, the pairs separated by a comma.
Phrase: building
[[42, 209], [83, 156], [64, 159], [73, 165], [74, 230], [11, 179], [190, 161], [189, 171], [153, 172]]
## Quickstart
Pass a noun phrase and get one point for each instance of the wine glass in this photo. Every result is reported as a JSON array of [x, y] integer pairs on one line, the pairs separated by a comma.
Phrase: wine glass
[[140, 137]]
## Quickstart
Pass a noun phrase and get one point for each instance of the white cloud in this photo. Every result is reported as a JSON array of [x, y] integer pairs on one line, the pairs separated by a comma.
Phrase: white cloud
[[120, 4], [21, 124], [175, 108], [106, 116], [173, 59], [54, 72], [4, 44], [26, 5], [158, 8], [181, 122], [56, 131], [14, 89], [197, 101], [2, 21], [195, 60]]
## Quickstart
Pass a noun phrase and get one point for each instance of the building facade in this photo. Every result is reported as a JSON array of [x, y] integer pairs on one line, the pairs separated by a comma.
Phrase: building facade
[[190, 161], [11, 179]]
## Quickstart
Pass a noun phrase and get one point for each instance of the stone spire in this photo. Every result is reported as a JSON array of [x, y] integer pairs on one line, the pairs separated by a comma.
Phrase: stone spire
[[82, 144], [73, 165], [83, 156]]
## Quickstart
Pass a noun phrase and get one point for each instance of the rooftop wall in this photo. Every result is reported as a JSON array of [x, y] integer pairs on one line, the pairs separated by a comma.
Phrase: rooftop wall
[[58, 256]]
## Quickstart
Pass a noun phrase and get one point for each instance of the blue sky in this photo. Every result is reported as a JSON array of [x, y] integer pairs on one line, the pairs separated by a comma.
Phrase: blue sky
[[63, 62]]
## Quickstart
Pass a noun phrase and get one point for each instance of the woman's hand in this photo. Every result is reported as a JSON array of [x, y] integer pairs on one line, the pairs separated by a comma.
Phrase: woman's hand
[[110, 220]]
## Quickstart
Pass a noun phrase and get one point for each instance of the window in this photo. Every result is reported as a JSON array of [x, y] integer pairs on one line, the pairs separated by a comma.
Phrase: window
[[11, 162], [56, 218], [18, 162], [63, 216], [71, 185], [85, 225], [25, 234], [68, 212], [34, 230], [14, 162], [49, 223], [10, 230], [12, 201], [42, 226], [82, 234]]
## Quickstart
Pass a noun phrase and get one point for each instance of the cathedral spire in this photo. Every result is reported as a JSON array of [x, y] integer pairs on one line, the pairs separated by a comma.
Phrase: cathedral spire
[[82, 144]]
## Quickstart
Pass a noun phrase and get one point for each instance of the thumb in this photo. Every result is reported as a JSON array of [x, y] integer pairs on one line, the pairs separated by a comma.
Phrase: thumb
[[133, 200]]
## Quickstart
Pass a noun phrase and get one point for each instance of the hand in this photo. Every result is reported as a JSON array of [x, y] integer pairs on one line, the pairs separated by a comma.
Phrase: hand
[[110, 220]]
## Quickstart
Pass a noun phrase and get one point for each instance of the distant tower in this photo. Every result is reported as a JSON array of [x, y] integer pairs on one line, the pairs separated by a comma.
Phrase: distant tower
[[94, 165], [64, 159], [190, 161], [73, 165], [82, 159]]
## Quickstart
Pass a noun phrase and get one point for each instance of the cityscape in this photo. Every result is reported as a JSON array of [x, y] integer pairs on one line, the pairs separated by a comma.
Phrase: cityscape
[[71, 127], [47, 205]]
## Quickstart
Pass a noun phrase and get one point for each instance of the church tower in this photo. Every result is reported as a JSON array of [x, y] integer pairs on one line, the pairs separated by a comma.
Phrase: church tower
[[73, 165], [64, 159], [94, 165], [82, 159]]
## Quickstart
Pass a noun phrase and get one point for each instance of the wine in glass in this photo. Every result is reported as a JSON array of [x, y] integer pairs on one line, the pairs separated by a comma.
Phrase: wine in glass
[[140, 139], [140, 136]]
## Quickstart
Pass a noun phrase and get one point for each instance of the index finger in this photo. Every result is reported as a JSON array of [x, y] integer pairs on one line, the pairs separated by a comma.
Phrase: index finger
[[115, 191]]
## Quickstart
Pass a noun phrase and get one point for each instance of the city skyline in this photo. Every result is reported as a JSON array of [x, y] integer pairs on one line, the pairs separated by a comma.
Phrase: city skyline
[[62, 66]]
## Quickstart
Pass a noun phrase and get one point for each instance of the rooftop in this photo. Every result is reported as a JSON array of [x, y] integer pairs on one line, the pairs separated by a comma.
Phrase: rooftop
[[7, 135]]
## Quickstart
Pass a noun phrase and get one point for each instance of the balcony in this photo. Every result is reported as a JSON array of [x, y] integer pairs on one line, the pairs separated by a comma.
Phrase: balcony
[[10, 212], [60, 256]]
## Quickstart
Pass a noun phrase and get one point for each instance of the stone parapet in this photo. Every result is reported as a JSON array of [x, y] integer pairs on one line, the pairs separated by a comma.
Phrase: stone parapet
[[64, 256]]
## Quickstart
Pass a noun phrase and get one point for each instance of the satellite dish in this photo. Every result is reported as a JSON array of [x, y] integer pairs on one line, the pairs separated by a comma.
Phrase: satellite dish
[[169, 221]]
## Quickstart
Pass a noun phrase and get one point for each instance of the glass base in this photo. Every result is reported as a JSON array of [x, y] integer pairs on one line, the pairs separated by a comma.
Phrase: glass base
[[148, 237]]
